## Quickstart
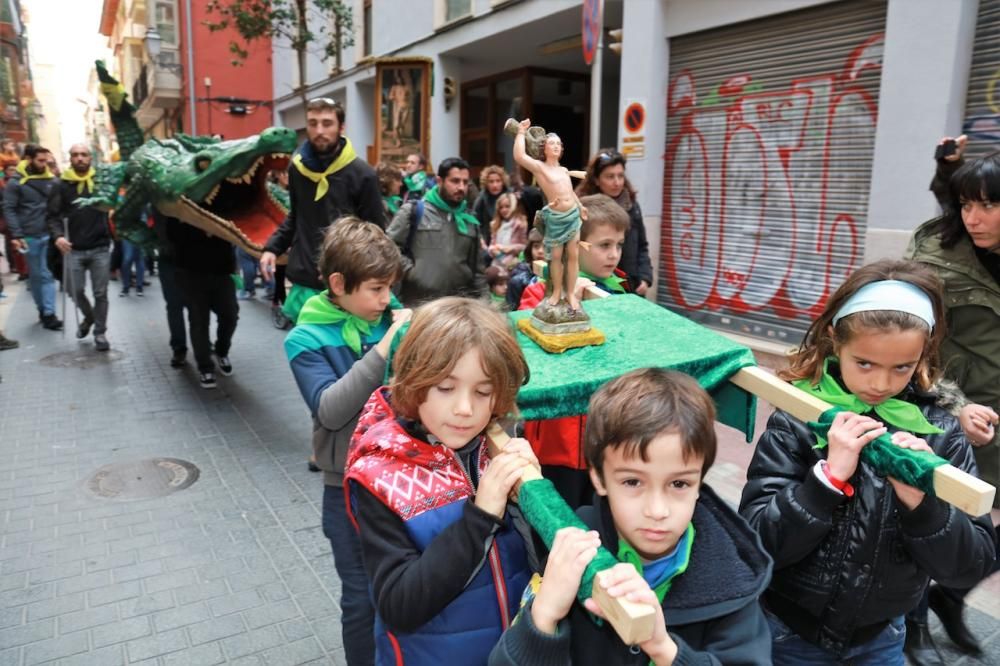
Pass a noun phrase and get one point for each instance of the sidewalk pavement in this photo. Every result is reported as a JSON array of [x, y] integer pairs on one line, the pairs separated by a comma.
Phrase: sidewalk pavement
[[233, 569]]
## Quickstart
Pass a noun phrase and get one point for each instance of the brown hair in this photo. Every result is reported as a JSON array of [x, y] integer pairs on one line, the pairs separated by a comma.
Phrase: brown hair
[[818, 344], [516, 210], [327, 104], [641, 405], [440, 333], [605, 157], [534, 238], [490, 170], [602, 210], [387, 172], [359, 251]]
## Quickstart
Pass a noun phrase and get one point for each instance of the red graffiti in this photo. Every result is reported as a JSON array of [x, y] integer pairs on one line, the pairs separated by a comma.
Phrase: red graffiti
[[764, 197]]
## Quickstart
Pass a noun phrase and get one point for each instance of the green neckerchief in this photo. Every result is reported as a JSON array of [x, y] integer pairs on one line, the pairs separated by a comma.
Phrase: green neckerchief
[[346, 156], [415, 181], [393, 203], [462, 217], [319, 309], [613, 283], [628, 554], [82, 182], [898, 413]]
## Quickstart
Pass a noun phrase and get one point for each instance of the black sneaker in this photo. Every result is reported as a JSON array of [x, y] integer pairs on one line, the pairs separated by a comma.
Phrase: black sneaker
[[51, 322], [207, 380], [138, 292], [179, 359], [225, 367], [123, 293], [278, 318], [7, 343], [84, 329]]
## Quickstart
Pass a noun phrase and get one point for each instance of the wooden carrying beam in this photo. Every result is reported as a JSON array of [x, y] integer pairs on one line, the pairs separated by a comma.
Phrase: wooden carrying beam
[[632, 621]]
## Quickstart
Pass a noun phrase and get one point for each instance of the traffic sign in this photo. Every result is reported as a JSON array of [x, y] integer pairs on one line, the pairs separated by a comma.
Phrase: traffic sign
[[635, 117], [591, 29]]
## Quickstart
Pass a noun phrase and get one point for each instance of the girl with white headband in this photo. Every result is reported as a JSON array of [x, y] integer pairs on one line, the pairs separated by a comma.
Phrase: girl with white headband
[[853, 551]]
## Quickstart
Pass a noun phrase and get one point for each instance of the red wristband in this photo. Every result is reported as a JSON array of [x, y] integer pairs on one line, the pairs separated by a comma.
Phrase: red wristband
[[843, 486]]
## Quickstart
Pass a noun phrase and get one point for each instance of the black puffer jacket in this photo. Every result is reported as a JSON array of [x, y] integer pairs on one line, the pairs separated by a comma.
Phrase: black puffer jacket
[[844, 566], [635, 253]]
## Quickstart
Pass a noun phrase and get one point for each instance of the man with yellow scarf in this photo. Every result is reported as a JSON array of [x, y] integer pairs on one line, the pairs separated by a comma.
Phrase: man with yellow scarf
[[86, 246], [25, 202], [326, 181]]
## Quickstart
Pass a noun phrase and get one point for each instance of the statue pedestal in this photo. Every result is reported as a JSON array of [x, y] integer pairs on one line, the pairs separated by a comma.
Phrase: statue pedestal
[[556, 328]]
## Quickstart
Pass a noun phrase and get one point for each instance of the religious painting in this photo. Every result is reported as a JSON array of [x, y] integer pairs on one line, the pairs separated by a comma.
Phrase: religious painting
[[402, 124]]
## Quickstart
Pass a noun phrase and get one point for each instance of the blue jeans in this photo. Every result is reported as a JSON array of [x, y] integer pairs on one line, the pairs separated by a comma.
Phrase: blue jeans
[[248, 267], [175, 305], [40, 280], [789, 649], [132, 254], [357, 615]]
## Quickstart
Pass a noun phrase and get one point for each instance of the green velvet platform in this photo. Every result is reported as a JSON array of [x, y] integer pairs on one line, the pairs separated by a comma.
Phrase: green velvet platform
[[640, 334]]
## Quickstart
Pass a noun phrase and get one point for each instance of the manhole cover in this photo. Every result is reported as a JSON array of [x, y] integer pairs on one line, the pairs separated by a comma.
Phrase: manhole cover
[[142, 479], [80, 358]]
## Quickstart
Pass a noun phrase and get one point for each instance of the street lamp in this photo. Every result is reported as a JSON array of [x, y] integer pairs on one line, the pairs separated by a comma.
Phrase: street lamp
[[154, 44]]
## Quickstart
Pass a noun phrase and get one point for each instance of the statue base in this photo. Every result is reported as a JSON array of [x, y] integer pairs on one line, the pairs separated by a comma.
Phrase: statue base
[[556, 328]]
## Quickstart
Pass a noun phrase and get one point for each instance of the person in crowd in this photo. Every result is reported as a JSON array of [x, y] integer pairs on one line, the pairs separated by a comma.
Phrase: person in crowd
[[963, 248], [557, 442], [493, 181], [496, 280], [172, 294], [133, 258], [83, 236], [650, 440], [9, 157], [25, 207], [523, 274], [853, 550], [445, 565], [248, 271], [606, 175], [390, 181], [439, 240], [337, 352], [327, 181], [416, 181], [16, 260], [277, 293], [508, 231], [204, 266]]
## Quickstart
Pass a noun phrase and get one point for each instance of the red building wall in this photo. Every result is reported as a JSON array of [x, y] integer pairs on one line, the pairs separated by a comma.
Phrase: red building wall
[[212, 59]]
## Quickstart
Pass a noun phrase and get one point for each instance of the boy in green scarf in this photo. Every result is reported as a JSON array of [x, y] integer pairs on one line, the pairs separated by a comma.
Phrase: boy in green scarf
[[649, 442]]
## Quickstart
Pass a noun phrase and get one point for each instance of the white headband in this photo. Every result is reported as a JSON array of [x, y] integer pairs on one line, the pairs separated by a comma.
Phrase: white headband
[[893, 295]]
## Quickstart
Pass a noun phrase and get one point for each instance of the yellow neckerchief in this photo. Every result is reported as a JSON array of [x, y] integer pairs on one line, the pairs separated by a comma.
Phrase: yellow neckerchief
[[84, 181], [346, 156], [22, 170]]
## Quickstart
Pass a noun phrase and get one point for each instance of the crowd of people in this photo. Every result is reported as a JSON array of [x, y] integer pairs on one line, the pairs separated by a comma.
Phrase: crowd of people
[[403, 356]]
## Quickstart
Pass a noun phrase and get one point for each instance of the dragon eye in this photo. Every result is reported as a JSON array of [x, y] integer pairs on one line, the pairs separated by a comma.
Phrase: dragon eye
[[201, 162]]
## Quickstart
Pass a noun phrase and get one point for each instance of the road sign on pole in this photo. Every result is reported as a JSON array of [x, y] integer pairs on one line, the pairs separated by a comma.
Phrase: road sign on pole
[[591, 29]]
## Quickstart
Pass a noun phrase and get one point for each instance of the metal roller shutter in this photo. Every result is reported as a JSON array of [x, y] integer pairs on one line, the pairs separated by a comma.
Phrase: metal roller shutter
[[770, 134], [982, 104]]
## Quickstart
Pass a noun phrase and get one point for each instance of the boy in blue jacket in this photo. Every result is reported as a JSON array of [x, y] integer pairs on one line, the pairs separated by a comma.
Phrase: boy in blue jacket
[[649, 442], [337, 352]]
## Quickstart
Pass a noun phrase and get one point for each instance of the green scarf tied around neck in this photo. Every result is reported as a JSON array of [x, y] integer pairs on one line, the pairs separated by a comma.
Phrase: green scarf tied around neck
[[319, 309], [462, 217], [415, 181], [612, 283], [914, 468], [392, 203]]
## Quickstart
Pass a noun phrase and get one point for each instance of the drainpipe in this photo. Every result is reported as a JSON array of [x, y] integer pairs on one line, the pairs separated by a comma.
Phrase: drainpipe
[[193, 130]]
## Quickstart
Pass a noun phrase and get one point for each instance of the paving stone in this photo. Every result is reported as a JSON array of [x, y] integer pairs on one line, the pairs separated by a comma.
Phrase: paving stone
[[169, 581], [251, 642], [201, 591], [27, 633], [57, 606], [232, 603], [212, 630], [83, 583], [55, 648], [93, 617], [112, 593], [113, 655], [156, 645], [271, 614], [180, 617], [293, 654], [136, 571], [121, 631]]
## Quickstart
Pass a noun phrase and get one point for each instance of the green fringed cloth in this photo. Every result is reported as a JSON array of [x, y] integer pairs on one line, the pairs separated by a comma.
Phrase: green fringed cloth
[[914, 468], [547, 512], [640, 334]]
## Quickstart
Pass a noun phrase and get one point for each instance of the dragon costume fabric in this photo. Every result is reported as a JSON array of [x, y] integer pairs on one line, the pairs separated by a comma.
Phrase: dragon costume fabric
[[220, 187]]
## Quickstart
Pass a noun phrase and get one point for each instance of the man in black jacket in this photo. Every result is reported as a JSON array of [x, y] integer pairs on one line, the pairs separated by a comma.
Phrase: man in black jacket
[[327, 180], [86, 245]]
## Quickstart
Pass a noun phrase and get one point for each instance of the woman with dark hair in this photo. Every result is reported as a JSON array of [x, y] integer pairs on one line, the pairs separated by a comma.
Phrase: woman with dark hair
[[606, 175], [963, 247]]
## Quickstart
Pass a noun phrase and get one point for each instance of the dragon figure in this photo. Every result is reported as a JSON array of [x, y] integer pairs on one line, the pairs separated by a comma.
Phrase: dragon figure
[[221, 187]]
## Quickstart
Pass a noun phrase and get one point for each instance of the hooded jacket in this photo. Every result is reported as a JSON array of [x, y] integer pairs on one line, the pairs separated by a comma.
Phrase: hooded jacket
[[712, 611], [353, 190], [845, 566], [635, 260], [25, 205], [970, 354], [445, 575], [334, 381]]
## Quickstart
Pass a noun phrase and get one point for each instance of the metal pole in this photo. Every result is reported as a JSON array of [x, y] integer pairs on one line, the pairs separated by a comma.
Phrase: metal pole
[[190, 68], [596, 74]]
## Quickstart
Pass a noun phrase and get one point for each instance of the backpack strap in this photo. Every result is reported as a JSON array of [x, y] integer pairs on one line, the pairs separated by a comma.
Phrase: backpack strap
[[415, 217]]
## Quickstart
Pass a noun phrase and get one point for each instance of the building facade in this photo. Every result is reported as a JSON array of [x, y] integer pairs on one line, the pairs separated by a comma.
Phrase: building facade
[[20, 112], [776, 145]]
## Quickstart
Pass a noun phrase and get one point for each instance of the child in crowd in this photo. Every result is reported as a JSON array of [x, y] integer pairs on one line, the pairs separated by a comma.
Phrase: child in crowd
[[444, 555], [557, 442], [522, 274], [853, 549], [496, 280], [509, 231], [337, 352], [390, 182], [650, 440]]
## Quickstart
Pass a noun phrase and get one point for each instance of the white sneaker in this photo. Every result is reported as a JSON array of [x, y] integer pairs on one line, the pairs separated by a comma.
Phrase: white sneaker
[[207, 380], [225, 367]]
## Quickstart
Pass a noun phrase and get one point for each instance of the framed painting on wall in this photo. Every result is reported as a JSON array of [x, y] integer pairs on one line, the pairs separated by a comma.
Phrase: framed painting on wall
[[402, 123]]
